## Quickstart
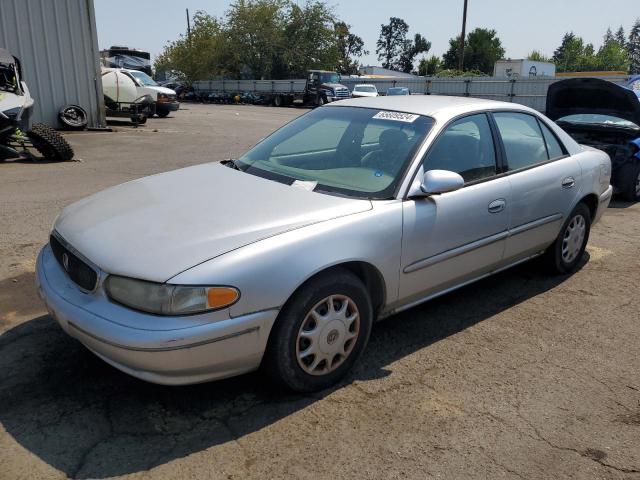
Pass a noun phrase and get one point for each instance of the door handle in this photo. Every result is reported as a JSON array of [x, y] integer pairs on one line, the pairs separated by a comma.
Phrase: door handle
[[568, 182], [497, 205]]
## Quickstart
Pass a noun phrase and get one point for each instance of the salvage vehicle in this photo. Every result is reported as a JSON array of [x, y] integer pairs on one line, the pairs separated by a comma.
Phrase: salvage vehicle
[[164, 99], [320, 87], [284, 257], [16, 105], [398, 91], [606, 116], [364, 90]]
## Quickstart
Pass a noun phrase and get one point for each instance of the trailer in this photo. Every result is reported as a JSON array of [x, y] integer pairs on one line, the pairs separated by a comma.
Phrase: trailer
[[320, 87]]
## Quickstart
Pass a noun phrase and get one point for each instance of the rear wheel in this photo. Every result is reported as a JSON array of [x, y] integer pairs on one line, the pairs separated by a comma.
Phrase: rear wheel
[[566, 252], [162, 113], [320, 333], [49, 143]]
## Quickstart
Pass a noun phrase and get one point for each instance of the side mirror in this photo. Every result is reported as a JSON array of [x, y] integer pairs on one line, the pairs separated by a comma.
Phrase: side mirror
[[436, 181]]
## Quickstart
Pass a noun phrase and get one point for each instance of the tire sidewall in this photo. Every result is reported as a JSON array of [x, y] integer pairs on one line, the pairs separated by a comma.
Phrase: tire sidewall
[[284, 335], [560, 264]]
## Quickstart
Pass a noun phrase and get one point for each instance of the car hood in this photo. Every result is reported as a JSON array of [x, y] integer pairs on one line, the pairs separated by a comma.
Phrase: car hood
[[156, 227], [165, 90], [333, 85], [592, 96]]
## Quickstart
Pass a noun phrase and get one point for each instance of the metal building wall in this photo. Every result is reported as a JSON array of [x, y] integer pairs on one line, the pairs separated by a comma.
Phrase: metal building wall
[[57, 44]]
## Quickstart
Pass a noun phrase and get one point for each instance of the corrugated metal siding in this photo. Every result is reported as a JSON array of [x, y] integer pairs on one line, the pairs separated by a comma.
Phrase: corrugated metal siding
[[57, 44]]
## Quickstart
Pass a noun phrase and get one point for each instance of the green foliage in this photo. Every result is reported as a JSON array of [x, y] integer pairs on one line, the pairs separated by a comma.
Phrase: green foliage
[[396, 51], [574, 56], [350, 48], [633, 47], [430, 66], [263, 39], [481, 51], [460, 73], [537, 56]]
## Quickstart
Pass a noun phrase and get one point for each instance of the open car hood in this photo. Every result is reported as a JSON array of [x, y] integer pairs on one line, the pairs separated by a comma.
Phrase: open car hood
[[592, 96]]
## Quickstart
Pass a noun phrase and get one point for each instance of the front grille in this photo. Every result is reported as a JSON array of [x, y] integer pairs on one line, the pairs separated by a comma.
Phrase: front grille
[[78, 271], [342, 92]]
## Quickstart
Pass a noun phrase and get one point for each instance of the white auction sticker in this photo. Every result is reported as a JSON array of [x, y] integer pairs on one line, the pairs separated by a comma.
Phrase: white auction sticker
[[396, 116]]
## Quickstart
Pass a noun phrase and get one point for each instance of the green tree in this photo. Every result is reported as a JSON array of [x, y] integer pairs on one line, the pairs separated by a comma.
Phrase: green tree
[[350, 48], [197, 56], [481, 51], [396, 51], [309, 38], [430, 66], [569, 55], [612, 56], [633, 46], [536, 56], [255, 32], [620, 37]]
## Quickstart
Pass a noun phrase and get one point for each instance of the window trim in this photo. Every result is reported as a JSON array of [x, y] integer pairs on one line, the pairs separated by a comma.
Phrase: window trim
[[534, 165], [496, 149]]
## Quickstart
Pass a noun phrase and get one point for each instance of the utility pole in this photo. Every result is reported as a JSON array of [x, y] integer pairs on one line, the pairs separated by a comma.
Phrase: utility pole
[[189, 24], [464, 32]]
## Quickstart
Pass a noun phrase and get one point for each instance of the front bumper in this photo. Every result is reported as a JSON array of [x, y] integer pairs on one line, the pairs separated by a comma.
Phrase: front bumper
[[197, 352], [603, 203], [167, 106]]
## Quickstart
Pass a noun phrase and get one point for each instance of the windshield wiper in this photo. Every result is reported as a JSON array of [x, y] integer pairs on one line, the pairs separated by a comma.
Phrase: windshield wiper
[[231, 163]]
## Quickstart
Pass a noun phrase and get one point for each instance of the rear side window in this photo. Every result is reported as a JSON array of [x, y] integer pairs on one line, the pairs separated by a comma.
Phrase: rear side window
[[465, 147], [522, 139], [553, 146]]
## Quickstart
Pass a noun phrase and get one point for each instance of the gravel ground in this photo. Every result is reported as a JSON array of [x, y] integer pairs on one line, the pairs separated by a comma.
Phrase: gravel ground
[[517, 376]]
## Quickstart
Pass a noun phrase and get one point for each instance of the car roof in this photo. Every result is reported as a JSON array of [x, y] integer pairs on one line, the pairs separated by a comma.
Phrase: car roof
[[437, 106]]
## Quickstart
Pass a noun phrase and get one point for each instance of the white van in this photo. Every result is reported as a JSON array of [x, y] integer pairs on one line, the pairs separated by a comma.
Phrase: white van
[[114, 79]]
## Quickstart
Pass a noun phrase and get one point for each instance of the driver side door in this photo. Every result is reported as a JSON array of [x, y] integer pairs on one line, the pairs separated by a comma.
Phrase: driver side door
[[455, 237]]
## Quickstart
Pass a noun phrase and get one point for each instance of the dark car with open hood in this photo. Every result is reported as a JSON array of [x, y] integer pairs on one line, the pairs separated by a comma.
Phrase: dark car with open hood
[[604, 115]]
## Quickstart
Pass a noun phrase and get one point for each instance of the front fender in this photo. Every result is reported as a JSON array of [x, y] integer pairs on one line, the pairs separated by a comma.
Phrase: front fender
[[269, 271]]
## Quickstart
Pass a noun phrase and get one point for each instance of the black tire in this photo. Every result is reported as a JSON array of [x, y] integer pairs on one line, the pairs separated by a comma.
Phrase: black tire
[[73, 117], [320, 101], [162, 113], [280, 361], [49, 143], [277, 101], [139, 119], [629, 176], [555, 260]]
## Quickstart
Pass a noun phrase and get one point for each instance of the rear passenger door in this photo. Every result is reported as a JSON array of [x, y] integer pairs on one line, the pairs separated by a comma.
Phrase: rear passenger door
[[543, 182]]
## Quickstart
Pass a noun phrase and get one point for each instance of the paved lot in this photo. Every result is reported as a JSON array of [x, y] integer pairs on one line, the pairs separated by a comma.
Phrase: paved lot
[[518, 376]]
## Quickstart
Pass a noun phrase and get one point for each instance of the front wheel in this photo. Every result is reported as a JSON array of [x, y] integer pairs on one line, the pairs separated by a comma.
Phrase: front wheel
[[321, 101], [320, 333], [49, 143], [566, 252], [162, 113]]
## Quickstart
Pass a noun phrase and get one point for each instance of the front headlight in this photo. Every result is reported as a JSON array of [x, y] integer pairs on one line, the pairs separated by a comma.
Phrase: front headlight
[[167, 299], [163, 97]]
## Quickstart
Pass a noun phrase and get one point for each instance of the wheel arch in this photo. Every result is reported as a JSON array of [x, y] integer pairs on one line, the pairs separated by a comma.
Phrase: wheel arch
[[591, 201]]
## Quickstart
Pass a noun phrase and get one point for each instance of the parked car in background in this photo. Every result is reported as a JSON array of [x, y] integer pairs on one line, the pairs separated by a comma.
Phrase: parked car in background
[[606, 116], [164, 98], [364, 91], [398, 91], [350, 213]]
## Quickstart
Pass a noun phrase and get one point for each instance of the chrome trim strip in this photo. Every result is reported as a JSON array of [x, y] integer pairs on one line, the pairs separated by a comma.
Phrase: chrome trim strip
[[165, 349], [455, 287], [536, 223], [454, 252], [468, 247]]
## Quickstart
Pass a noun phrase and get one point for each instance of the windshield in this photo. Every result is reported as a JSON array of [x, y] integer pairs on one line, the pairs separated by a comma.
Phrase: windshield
[[329, 78], [357, 152], [598, 119], [398, 91], [8, 81], [143, 79], [365, 88]]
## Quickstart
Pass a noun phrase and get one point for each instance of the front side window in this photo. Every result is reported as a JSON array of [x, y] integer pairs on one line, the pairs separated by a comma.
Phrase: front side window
[[358, 152], [465, 147], [523, 142]]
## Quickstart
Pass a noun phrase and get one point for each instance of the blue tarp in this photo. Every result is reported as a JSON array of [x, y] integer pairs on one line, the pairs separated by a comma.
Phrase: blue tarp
[[634, 84], [636, 142]]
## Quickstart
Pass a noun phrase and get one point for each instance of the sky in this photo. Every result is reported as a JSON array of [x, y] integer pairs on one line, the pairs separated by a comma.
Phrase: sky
[[522, 25]]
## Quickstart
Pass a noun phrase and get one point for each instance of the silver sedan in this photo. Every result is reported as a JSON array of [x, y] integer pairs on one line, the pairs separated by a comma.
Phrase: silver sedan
[[282, 259]]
